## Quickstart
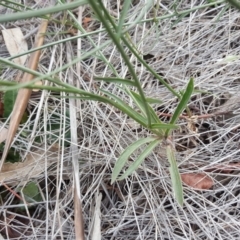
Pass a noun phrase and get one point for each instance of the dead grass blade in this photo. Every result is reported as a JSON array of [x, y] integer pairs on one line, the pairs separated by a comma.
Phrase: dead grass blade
[[96, 233], [15, 44], [24, 94], [78, 215]]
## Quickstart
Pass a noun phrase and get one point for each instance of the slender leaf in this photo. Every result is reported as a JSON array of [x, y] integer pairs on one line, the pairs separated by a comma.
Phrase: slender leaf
[[153, 100], [184, 100], [137, 99], [81, 94], [48, 76], [133, 22], [141, 158], [163, 126], [183, 103], [126, 109], [69, 39], [67, 89], [122, 18], [175, 176], [110, 26], [126, 154], [41, 12], [139, 102], [116, 80]]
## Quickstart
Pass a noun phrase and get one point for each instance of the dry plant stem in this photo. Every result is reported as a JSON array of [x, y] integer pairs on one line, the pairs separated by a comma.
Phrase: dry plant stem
[[24, 94], [78, 216], [142, 207], [79, 47]]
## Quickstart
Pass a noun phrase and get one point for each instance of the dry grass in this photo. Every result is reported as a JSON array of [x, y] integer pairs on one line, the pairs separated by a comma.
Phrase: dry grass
[[142, 207]]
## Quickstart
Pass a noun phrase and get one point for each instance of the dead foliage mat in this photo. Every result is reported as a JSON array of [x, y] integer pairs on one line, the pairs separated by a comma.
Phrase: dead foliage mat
[[204, 44]]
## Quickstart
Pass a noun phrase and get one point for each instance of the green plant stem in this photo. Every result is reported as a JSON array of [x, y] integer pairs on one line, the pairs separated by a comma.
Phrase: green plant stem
[[48, 76], [123, 14], [83, 32], [14, 4], [182, 104], [41, 12], [81, 94], [133, 50], [150, 69], [55, 43], [103, 15], [34, 13]]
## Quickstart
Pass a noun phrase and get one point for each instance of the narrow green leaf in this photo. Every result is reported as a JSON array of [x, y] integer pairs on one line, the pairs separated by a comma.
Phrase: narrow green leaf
[[163, 126], [67, 89], [201, 91], [126, 5], [118, 103], [116, 80], [175, 176], [126, 154], [153, 100], [228, 59], [141, 158], [139, 102], [182, 104], [48, 76], [137, 99], [111, 28], [89, 98], [41, 12], [184, 100], [121, 105]]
